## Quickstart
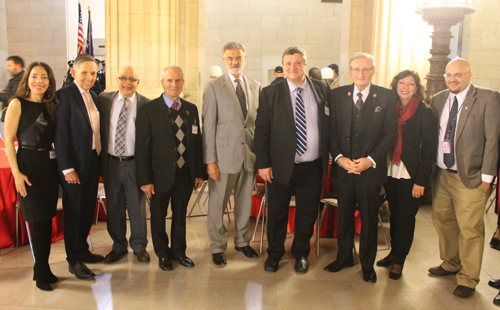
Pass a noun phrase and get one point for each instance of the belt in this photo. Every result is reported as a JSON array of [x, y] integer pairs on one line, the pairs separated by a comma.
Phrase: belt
[[121, 158], [32, 148], [450, 170]]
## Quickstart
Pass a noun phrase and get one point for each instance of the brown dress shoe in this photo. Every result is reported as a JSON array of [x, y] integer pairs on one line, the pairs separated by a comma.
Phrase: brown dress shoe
[[440, 272], [143, 256], [114, 256], [463, 291]]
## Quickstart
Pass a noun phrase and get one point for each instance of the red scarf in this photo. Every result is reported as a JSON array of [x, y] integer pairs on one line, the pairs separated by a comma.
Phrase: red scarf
[[404, 114]]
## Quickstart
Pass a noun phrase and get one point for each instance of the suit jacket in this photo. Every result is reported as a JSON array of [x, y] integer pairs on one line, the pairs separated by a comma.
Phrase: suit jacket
[[476, 137], [10, 91], [105, 105], [227, 137], [378, 132], [278, 79], [334, 83], [420, 141], [275, 134], [155, 145], [73, 138]]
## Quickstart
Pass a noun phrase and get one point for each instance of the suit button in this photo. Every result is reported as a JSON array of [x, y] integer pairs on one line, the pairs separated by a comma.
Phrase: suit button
[[242, 143], [175, 149], [174, 164]]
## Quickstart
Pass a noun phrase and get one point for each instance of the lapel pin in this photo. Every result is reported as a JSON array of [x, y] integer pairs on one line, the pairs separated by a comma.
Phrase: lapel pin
[[349, 93], [466, 108], [187, 112], [374, 95], [251, 86], [378, 109]]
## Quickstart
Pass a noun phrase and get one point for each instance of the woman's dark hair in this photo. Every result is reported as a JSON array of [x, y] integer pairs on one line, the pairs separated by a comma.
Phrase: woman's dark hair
[[49, 99], [406, 73]]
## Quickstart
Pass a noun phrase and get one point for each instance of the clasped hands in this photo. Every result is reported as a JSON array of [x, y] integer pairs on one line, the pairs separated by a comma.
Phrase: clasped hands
[[355, 166]]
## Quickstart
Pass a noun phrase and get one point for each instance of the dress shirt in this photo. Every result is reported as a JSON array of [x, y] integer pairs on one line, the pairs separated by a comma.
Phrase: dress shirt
[[397, 172], [312, 121], [130, 133], [169, 102], [443, 124], [243, 83]]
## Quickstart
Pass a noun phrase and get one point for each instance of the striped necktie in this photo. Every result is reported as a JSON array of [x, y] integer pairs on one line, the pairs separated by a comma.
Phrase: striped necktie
[[300, 123], [121, 129]]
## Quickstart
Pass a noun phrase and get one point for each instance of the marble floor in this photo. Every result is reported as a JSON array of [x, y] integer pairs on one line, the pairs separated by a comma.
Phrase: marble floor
[[243, 284]]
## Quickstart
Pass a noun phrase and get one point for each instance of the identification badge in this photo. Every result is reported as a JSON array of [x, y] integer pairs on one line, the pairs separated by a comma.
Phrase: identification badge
[[446, 147], [52, 154], [327, 111], [195, 130]]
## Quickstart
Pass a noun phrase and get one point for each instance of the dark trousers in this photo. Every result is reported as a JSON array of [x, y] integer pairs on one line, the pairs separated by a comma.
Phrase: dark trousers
[[404, 208], [178, 196], [79, 202], [306, 182], [355, 191], [41, 238]]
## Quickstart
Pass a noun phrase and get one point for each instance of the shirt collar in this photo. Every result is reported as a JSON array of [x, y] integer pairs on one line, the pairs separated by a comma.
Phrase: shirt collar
[[169, 102], [131, 99], [365, 92], [460, 96], [79, 88], [293, 87], [232, 78]]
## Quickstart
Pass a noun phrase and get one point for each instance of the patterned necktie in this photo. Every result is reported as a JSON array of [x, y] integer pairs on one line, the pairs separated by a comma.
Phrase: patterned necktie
[[300, 123], [241, 98], [449, 159], [121, 129], [94, 121], [176, 105], [359, 103]]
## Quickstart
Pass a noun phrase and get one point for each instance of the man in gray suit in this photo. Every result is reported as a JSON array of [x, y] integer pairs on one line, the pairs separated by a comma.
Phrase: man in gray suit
[[229, 109], [467, 159], [118, 114]]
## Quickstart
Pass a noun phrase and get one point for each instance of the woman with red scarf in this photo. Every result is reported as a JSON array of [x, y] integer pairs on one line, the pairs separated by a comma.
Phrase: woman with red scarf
[[410, 166]]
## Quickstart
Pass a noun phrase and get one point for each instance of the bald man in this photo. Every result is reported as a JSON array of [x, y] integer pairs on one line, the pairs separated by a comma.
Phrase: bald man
[[467, 162]]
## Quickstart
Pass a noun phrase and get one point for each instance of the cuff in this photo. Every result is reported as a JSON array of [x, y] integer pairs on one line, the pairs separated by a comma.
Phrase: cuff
[[486, 178], [373, 162], [66, 171], [338, 156]]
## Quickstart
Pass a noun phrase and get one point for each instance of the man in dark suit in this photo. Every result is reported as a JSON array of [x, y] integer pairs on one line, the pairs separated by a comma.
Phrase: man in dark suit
[[467, 159], [278, 73], [78, 145], [118, 113], [292, 152], [169, 158], [363, 128]]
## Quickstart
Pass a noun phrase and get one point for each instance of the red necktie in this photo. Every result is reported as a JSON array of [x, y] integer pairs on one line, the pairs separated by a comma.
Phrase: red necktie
[[176, 105]]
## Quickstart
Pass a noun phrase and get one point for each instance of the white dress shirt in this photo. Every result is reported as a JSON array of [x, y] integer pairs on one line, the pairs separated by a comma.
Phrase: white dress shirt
[[116, 107]]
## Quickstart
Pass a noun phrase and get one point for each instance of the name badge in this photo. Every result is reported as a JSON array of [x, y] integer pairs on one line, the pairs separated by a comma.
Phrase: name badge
[[195, 130], [52, 154], [446, 147], [327, 111]]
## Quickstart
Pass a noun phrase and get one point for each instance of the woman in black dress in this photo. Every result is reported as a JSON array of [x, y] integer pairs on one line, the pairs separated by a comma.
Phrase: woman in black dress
[[410, 165], [31, 117]]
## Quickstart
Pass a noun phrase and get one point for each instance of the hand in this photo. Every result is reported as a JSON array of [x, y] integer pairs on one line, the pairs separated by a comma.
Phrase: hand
[[197, 183], [266, 174], [213, 171], [148, 190], [486, 186], [418, 191], [21, 180], [72, 178], [348, 165], [362, 164]]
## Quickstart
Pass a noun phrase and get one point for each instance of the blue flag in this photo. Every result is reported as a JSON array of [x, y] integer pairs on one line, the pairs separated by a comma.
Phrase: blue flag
[[89, 45]]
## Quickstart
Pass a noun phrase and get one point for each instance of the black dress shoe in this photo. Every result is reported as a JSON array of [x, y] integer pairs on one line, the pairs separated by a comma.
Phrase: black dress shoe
[[44, 286], [496, 300], [386, 262], [185, 261], [272, 264], [369, 276], [247, 251], [301, 265], [395, 276], [92, 258], [165, 264], [463, 291], [219, 259], [336, 266], [494, 283], [81, 271], [52, 279], [114, 256], [495, 243]]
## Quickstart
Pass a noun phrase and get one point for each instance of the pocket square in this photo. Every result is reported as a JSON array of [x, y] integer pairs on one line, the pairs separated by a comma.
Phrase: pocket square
[[378, 109]]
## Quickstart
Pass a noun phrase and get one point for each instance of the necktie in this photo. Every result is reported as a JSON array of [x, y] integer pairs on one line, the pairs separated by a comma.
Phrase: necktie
[[449, 159], [176, 105], [121, 129], [241, 98], [359, 103], [300, 123], [94, 121]]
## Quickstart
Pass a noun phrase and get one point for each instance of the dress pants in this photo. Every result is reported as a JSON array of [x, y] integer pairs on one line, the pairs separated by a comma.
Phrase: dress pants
[[458, 216], [41, 237], [404, 208], [219, 193], [306, 183], [178, 196], [79, 203], [122, 194], [355, 191]]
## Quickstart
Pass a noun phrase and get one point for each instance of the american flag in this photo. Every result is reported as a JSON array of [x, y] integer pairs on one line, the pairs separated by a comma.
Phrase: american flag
[[81, 47]]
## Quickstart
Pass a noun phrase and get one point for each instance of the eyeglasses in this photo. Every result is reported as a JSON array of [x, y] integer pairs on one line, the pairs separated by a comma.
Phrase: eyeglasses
[[456, 75], [124, 79], [365, 71]]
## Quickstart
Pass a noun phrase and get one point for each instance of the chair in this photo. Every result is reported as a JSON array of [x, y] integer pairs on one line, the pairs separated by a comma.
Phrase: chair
[[493, 196], [101, 195], [198, 199]]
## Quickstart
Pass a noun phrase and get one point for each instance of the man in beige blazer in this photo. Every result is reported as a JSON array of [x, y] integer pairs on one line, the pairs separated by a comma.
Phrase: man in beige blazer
[[467, 162], [229, 109]]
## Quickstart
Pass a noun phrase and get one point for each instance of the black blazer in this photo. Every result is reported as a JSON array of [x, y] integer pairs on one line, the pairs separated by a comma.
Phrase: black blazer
[[420, 143], [155, 146], [378, 132], [73, 139], [105, 104], [275, 136]]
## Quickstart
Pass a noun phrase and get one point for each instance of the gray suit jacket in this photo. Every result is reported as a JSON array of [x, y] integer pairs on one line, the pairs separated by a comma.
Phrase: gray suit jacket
[[227, 137], [478, 131], [105, 104]]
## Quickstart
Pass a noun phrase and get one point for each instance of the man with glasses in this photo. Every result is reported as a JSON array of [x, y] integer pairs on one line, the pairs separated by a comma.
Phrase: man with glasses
[[118, 113], [467, 160], [229, 108], [363, 128]]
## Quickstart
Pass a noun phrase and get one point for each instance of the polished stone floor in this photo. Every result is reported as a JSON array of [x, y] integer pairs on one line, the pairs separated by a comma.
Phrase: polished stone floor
[[243, 284]]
